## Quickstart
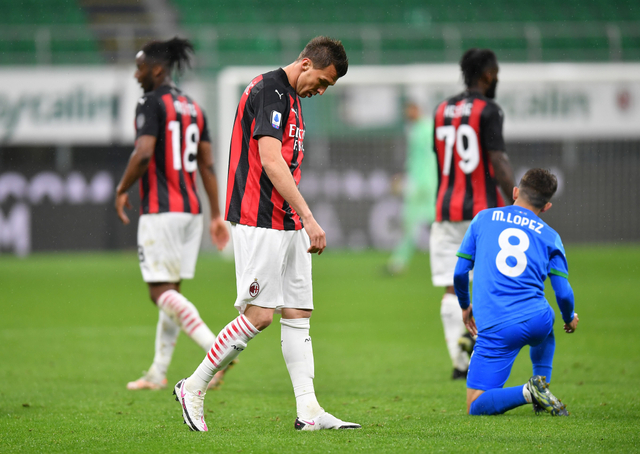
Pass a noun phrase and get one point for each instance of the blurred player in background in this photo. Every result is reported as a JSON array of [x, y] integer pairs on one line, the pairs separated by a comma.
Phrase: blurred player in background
[[513, 251], [419, 188], [274, 231], [172, 142], [472, 163]]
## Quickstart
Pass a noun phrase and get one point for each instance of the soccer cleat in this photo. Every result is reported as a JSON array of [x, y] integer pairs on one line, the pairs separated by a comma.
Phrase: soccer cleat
[[217, 379], [459, 374], [466, 343], [324, 421], [543, 399], [537, 409], [192, 407], [147, 382]]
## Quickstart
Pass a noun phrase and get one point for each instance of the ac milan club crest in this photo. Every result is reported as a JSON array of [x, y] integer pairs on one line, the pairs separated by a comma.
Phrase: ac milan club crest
[[254, 288]]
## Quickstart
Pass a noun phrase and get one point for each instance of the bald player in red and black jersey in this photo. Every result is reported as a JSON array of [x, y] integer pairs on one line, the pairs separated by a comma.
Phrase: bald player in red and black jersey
[[472, 166], [274, 231], [172, 142]]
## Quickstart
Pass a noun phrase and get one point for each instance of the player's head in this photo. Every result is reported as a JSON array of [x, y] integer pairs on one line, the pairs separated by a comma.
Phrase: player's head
[[323, 61], [412, 111], [537, 186], [157, 60], [480, 70]]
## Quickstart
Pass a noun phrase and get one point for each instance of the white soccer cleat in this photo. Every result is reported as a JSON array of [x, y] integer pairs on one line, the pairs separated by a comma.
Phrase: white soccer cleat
[[324, 421], [147, 381], [192, 406]]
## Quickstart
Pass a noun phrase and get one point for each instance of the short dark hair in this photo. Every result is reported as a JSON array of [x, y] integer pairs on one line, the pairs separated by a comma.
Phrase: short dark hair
[[537, 186], [174, 52], [474, 62], [324, 51]]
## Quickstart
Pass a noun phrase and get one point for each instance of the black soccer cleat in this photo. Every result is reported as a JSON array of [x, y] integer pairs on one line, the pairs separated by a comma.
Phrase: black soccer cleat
[[459, 374]]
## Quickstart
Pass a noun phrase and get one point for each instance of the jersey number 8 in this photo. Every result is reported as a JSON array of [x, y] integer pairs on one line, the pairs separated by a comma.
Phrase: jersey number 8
[[466, 142], [190, 149], [509, 250]]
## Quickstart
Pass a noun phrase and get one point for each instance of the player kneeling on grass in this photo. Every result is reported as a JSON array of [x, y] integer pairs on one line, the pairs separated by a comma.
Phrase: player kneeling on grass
[[513, 251]]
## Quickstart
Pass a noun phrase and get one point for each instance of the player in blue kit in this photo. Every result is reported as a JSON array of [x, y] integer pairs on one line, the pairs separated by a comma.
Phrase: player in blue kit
[[512, 251]]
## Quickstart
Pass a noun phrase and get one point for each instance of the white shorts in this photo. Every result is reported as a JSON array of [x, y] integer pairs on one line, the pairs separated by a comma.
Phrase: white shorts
[[273, 268], [444, 242], [168, 245]]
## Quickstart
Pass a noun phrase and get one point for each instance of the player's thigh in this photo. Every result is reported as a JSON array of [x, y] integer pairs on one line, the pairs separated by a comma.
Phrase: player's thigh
[[259, 255], [192, 237], [492, 360], [444, 241], [160, 246], [297, 288]]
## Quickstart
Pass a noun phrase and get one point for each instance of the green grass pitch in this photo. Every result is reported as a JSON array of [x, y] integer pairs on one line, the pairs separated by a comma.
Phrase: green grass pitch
[[74, 328]]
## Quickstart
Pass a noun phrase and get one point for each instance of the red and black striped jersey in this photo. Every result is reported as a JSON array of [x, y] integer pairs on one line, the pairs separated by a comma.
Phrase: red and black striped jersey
[[466, 128], [269, 106], [178, 124]]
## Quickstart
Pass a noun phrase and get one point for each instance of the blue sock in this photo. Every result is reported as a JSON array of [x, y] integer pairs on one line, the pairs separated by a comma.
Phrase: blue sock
[[497, 401]]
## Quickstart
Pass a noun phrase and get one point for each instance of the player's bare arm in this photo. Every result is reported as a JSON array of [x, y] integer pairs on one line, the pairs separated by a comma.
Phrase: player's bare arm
[[217, 228], [275, 166], [469, 321], [137, 166], [503, 173]]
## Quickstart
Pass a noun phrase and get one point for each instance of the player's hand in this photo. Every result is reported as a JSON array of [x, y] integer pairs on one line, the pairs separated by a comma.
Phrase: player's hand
[[122, 202], [469, 321], [317, 236], [219, 233], [571, 327]]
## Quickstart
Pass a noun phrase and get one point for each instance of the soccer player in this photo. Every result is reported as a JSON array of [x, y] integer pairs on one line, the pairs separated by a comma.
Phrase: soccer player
[[172, 142], [513, 251], [274, 231], [472, 164], [420, 186]]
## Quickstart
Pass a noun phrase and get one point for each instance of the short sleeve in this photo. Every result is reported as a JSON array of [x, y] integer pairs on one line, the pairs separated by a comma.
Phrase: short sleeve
[[147, 117], [468, 247], [271, 112], [491, 128], [558, 260], [204, 135]]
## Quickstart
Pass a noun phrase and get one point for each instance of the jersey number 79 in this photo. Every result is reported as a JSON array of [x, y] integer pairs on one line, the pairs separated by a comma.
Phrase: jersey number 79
[[466, 143]]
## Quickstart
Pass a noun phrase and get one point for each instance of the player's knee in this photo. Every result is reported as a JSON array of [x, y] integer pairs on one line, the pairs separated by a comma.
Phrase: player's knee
[[259, 318]]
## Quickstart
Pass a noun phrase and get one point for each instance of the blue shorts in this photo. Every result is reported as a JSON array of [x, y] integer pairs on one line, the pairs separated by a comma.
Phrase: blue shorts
[[495, 351]]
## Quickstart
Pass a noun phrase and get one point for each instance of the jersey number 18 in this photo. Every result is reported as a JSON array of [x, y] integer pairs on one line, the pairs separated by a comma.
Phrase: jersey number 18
[[190, 149]]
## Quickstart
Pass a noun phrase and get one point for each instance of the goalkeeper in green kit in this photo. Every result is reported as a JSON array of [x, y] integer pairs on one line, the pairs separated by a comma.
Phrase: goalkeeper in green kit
[[420, 187]]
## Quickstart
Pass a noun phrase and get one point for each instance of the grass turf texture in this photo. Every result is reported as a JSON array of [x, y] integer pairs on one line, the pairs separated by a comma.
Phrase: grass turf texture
[[75, 328]]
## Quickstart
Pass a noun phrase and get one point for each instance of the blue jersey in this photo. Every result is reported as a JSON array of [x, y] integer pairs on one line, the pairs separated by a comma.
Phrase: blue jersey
[[513, 252]]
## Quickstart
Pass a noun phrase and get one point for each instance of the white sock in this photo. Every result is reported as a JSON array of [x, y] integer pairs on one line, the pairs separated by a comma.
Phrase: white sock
[[230, 342], [526, 393], [454, 328], [298, 356], [166, 335], [186, 316]]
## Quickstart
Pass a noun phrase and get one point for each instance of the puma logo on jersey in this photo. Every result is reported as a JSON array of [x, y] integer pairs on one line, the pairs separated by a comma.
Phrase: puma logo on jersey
[[294, 112], [280, 95]]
